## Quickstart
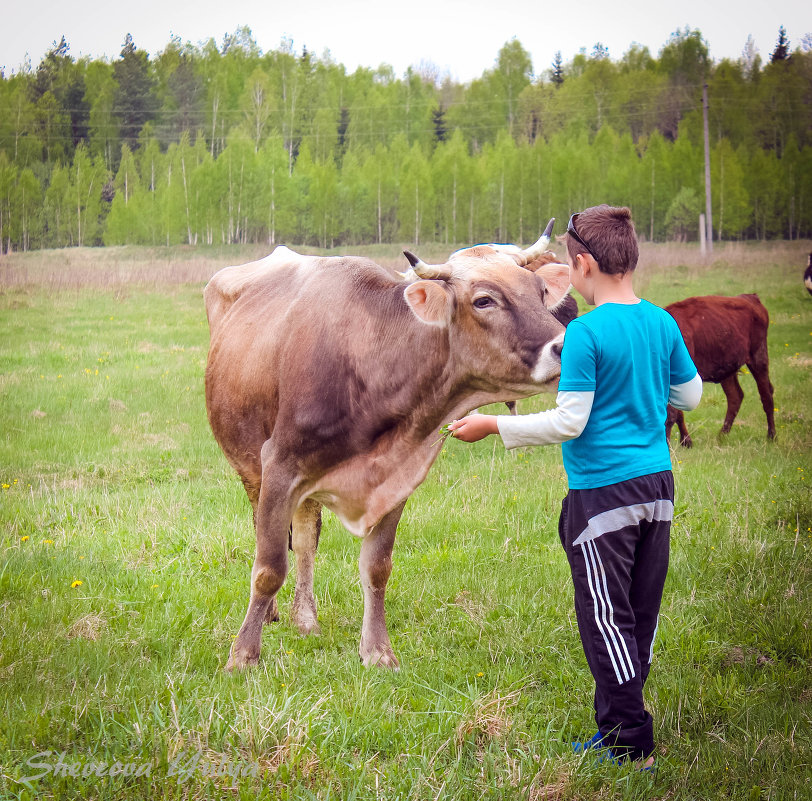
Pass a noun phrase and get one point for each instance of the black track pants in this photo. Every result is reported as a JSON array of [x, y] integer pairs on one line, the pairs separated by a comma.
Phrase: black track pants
[[617, 539]]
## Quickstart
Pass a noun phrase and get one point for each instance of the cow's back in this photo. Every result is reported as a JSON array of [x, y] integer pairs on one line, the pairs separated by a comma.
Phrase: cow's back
[[721, 332]]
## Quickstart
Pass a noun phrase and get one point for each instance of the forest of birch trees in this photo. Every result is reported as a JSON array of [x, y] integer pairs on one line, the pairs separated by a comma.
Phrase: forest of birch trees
[[221, 142]]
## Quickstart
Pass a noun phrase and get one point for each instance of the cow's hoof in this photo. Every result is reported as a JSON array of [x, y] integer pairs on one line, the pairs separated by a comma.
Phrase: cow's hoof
[[305, 617], [272, 615], [687, 442], [381, 657], [240, 658], [307, 626]]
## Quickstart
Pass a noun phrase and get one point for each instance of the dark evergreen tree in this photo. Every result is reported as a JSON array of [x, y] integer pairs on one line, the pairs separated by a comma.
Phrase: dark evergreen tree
[[557, 72], [440, 130], [781, 52], [343, 124], [135, 102], [59, 75]]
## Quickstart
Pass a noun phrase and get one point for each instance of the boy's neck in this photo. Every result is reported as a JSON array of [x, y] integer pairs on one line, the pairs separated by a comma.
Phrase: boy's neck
[[614, 289]]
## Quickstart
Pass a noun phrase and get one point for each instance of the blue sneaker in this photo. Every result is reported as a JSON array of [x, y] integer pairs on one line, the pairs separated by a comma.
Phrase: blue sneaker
[[596, 741]]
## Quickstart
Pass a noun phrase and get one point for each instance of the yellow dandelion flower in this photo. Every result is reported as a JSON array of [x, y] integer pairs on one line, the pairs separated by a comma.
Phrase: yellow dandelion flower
[[76, 584], [480, 674], [47, 542], [25, 538], [6, 486]]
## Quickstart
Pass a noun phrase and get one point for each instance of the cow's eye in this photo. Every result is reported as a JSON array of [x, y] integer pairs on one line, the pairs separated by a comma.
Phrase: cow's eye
[[484, 302]]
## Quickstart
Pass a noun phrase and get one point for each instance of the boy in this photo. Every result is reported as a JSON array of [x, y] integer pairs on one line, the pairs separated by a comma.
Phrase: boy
[[621, 364]]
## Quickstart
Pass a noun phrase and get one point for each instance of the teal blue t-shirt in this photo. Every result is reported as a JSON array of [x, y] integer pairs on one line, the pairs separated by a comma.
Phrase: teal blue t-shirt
[[628, 355]]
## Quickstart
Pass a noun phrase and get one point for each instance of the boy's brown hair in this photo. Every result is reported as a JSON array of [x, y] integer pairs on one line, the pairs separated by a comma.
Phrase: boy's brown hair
[[609, 236]]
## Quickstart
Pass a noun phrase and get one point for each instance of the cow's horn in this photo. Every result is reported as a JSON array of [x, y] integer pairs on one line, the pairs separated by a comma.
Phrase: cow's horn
[[427, 270], [526, 256]]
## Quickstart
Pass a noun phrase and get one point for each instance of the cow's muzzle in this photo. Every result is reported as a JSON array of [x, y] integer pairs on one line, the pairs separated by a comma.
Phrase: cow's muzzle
[[548, 366]]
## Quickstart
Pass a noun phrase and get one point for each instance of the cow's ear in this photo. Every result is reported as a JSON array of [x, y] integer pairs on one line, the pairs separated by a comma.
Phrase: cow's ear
[[430, 301], [557, 280]]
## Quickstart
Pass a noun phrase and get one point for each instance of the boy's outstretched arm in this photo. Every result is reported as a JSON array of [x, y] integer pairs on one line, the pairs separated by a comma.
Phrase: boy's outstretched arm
[[474, 427], [566, 421]]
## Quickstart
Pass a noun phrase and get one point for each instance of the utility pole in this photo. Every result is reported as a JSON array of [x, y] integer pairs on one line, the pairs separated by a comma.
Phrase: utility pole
[[708, 218]]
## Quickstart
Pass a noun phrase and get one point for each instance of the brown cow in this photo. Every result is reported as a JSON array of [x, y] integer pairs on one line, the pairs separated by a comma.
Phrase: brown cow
[[722, 334], [808, 274], [328, 381]]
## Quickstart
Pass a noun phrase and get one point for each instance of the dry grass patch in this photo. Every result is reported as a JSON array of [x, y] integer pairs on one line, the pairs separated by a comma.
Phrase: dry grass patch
[[544, 788], [88, 627], [489, 718]]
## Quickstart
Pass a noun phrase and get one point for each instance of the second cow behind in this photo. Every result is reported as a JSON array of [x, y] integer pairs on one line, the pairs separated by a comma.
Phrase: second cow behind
[[724, 334]]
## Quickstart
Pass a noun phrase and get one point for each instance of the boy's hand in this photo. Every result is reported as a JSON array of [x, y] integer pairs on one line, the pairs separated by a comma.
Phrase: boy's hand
[[474, 427]]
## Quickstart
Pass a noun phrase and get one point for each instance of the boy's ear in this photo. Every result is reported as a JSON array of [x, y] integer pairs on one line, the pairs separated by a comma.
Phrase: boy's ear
[[587, 263], [430, 301]]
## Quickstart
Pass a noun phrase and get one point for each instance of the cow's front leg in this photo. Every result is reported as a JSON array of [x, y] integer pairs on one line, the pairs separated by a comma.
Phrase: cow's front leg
[[305, 540], [273, 517], [376, 565]]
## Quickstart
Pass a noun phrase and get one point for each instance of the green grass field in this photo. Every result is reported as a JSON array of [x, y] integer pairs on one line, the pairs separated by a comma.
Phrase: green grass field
[[127, 545]]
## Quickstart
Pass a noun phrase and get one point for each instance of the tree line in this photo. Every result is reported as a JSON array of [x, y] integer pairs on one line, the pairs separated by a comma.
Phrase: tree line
[[207, 144]]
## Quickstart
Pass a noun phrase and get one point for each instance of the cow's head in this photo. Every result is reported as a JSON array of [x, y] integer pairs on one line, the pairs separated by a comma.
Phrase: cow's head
[[497, 302]]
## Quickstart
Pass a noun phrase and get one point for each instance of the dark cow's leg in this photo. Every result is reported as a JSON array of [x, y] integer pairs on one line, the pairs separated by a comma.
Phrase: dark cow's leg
[[734, 395], [758, 367], [272, 518], [684, 437], [376, 565], [305, 540], [674, 415]]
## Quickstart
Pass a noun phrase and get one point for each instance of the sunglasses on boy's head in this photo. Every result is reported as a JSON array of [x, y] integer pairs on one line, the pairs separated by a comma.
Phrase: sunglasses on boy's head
[[574, 234]]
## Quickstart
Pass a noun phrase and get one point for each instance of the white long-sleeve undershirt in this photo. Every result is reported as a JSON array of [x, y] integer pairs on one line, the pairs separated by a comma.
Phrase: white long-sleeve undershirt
[[569, 418], [686, 396], [566, 421]]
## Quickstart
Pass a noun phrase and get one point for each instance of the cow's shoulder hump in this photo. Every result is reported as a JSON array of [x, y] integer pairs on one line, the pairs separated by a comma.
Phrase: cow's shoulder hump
[[227, 285]]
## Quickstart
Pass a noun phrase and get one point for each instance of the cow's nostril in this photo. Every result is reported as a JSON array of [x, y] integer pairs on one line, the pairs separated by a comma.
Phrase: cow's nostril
[[556, 347]]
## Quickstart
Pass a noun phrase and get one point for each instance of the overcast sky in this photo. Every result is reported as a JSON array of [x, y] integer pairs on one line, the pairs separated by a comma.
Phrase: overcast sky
[[460, 37]]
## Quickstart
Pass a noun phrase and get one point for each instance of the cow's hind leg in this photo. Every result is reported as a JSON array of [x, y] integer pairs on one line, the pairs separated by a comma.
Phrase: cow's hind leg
[[376, 565], [305, 540], [252, 487], [272, 518], [759, 369], [733, 393]]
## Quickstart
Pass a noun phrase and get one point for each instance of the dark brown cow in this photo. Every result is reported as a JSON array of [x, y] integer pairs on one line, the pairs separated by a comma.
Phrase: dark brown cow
[[722, 334], [808, 274], [328, 381]]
